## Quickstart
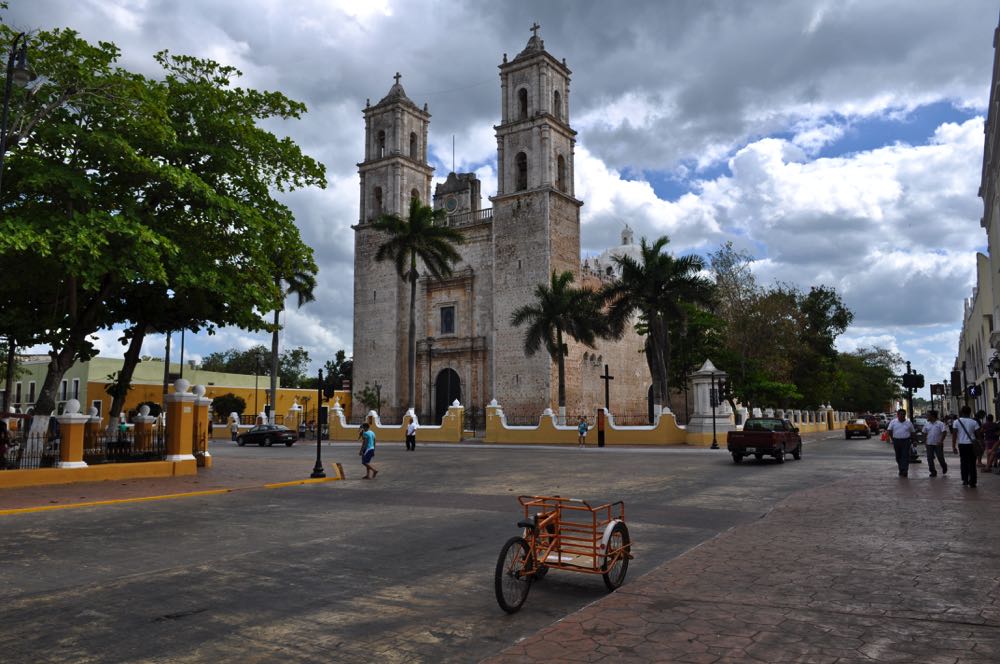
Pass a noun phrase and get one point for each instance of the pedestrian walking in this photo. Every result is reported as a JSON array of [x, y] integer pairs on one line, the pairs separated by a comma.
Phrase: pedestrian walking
[[934, 432], [367, 451], [411, 434], [582, 429], [234, 428], [991, 434], [902, 432], [963, 438]]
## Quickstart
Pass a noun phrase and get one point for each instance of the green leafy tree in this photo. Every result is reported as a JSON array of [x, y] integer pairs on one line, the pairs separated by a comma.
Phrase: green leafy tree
[[339, 369], [867, 379], [657, 286], [560, 311], [823, 318], [154, 408], [422, 237], [73, 219], [292, 364], [139, 191], [224, 275], [369, 398], [228, 403]]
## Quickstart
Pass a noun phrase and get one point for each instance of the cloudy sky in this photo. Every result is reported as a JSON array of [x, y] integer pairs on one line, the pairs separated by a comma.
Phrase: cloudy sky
[[839, 141]]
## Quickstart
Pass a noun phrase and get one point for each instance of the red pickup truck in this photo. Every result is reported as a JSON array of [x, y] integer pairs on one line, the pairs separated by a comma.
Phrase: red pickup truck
[[765, 436]]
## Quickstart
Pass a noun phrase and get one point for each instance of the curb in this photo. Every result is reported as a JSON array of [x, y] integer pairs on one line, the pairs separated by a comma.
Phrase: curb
[[173, 496]]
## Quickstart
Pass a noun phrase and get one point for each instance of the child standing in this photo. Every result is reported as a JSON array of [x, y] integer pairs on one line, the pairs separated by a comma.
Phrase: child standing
[[582, 429]]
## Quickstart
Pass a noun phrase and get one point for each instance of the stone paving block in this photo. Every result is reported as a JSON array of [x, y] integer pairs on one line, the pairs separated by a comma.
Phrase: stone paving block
[[845, 600]]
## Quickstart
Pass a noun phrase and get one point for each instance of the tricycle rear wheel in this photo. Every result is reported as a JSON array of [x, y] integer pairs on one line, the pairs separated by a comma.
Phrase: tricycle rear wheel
[[616, 560], [510, 582]]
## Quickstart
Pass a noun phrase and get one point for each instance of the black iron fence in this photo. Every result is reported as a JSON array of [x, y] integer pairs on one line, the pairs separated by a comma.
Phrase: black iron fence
[[26, 451], [29, 450], [107, 446]]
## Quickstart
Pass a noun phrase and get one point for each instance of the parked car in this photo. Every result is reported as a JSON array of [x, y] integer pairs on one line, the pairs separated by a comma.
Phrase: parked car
[[872, 422], [857, 427], [267, 434], [765, 436], [919, 423]]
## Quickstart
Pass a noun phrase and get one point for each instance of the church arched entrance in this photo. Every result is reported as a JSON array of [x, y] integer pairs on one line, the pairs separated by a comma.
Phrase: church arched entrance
[[447, 388]]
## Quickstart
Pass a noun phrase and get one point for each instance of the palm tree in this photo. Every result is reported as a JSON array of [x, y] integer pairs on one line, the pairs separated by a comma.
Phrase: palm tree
[[301, 282], [560, 310], [422, 236], [656, 287]]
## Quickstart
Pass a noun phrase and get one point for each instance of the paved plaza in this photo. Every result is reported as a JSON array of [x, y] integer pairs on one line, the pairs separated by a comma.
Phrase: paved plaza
[[828, 559]]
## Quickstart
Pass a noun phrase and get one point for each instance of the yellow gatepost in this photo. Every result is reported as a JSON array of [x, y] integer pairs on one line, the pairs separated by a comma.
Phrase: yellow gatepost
[[71, 432], [180, 421], [142, 425], [201, 415]]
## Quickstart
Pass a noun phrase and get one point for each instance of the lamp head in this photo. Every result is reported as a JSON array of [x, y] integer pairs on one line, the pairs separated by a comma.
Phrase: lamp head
[[22, 73]]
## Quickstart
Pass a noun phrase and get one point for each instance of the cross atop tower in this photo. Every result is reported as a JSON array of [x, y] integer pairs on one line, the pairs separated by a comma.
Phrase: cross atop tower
[[397, 77], [534, 28]]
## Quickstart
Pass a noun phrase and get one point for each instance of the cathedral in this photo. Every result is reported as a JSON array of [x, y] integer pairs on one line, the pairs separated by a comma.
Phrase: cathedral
[[467, 348]]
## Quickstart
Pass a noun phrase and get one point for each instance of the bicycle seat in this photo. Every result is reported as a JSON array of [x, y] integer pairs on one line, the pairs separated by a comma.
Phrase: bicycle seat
[[526, 524]]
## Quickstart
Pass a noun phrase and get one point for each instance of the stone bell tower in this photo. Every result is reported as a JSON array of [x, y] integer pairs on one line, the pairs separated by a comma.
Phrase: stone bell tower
[[394, 171], [536, 215]]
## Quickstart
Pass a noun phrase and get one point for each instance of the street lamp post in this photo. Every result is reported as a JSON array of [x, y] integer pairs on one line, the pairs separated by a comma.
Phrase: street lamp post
[[318, 468], [378, 399], [20, 75]]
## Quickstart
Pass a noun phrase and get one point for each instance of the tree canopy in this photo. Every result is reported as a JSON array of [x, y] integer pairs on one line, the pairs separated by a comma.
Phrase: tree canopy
[[144, 203]]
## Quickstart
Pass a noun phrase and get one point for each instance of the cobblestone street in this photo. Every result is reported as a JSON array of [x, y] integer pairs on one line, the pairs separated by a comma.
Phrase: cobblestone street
[[828, 559]]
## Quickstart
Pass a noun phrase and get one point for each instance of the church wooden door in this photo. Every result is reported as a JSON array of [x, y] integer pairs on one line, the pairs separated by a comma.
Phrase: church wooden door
[[447, 388]]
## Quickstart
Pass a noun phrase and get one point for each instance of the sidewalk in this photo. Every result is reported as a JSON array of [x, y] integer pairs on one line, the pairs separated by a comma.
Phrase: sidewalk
[[873, 568], [227, 476]]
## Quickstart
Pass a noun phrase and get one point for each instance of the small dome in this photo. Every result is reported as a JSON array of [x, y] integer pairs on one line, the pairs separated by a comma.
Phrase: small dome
[[396, 92]]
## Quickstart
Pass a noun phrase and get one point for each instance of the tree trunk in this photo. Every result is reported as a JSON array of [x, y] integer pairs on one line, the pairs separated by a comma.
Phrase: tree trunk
[[561, 363], [83, 325], [128, 368], [273, 400], [658, 365], [9, 379], [411, 344]]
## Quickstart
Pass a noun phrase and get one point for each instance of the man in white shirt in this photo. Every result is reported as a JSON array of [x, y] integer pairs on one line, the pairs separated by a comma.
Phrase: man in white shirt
[[903, 433], [963, 435], [411, 435], [934, 432]]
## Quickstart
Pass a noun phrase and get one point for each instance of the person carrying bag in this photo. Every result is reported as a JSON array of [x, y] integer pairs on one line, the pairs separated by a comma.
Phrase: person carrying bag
[[963, 443]]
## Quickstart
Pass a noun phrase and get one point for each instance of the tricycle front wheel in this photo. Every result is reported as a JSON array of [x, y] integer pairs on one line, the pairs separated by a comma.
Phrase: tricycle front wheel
[[512, 580], [616, 559]]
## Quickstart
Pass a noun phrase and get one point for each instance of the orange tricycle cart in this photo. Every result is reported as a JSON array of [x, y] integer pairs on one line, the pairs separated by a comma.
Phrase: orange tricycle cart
[[562, 533]]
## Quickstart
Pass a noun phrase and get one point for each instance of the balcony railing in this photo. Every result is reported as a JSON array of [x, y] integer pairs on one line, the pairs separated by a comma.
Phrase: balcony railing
[[470, 218]]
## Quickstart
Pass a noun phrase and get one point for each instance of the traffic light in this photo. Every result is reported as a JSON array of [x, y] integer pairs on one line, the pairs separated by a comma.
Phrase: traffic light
[[918, 380], [956, 383], [973, 391]]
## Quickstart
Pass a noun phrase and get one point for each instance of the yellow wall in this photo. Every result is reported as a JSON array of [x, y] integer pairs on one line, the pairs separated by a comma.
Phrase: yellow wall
[[450, 430], [667, 432], [149, 392], [10, 479]]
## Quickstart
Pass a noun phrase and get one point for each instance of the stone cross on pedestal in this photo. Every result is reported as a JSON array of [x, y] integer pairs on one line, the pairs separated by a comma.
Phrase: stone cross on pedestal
[[534, 28], [397, 77], [607, 378]]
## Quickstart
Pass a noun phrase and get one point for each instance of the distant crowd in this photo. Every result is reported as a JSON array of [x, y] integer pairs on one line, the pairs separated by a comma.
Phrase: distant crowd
[[973, 438]]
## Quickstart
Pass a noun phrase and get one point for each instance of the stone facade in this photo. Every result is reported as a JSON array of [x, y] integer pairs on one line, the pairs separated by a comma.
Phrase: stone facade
[[466, 347]]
